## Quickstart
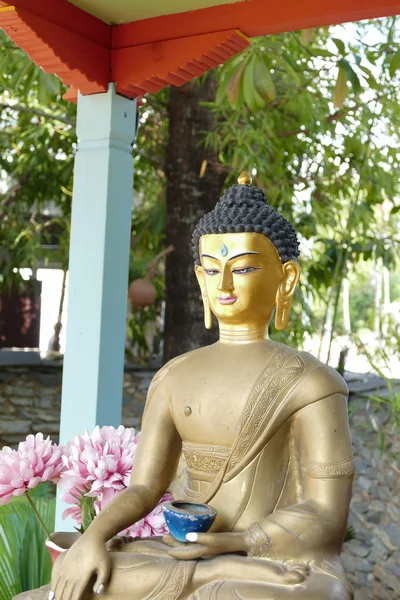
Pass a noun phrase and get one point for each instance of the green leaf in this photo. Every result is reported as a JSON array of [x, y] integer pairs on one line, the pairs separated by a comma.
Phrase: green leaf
[[25, 563], [322, 52], [88, 511], [351, 75], [341, 90], [339, 45], [395, 210], [233, 86], [369, 77], [251, 94], [288, 68], [306, 36], [263, 79], [394, 63]]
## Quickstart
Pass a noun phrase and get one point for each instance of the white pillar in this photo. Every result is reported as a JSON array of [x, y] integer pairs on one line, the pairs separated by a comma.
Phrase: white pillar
[[98, 267]]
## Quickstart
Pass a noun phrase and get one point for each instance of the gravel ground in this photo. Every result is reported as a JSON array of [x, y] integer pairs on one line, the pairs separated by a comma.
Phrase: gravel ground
[[372, 559]]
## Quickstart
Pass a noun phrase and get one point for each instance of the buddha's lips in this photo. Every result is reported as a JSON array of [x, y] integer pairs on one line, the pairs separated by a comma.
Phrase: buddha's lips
[[230, 300]]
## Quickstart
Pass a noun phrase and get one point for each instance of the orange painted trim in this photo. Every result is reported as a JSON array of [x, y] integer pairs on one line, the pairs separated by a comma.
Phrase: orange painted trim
[[151, 67], [77, 60], [68, 16], [148, 55], [254, 18]]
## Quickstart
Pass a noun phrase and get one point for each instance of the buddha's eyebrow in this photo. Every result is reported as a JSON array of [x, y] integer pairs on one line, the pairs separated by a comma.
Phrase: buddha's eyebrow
[[231, 258], [242, 254], [208, 256]]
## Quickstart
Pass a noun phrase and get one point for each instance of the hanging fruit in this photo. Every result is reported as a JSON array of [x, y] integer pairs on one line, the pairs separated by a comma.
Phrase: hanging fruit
[[141, 292]]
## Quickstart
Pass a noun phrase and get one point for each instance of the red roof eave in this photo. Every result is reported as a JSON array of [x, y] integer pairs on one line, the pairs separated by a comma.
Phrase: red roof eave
[[144, 56], [253, 18], [61, 39]]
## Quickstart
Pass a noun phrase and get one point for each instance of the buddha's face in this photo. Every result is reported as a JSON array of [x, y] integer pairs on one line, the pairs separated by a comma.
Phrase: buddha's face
[[241, 274]]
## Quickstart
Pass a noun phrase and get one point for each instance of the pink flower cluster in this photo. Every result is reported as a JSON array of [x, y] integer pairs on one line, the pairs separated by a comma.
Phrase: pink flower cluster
[[37, 460], [99, 466]]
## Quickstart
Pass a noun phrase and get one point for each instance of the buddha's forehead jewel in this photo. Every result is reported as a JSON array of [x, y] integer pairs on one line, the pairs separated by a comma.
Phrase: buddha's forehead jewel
[[225, 245]]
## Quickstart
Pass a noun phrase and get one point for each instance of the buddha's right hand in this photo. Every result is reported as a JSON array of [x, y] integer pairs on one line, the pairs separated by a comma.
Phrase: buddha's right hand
[[74, 569]]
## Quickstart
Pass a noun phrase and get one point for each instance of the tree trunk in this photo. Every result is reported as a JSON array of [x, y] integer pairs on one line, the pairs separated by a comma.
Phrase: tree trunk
[[189, 196], [346, 306], [378, 296]]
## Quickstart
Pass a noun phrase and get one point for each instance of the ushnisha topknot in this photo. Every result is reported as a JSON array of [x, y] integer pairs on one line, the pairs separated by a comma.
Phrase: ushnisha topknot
[[244, 208]]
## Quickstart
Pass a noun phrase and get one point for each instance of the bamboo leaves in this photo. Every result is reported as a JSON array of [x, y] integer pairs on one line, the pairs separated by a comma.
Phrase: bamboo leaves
[[306, 36], [233, 87], [394, 63], [251, 84], [341, 90], [25, 563], [346, 74]]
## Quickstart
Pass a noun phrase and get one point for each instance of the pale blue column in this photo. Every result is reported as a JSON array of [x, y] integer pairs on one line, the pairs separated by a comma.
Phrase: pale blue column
[[98, 267]]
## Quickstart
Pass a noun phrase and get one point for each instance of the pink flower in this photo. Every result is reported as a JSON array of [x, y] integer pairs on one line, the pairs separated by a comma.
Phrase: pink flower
[[152, 524], [99, 466], [37, 460], [99, 462]]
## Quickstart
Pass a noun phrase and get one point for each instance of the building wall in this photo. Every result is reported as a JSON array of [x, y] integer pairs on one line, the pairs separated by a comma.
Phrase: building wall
[[30, 399]]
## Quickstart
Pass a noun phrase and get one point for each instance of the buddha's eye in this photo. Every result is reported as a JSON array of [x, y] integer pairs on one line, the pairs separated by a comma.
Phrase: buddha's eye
[[211, 271], [245, 270]]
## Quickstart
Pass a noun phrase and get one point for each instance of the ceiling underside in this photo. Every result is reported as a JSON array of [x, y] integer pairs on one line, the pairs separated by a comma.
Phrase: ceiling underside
[[126, 11]]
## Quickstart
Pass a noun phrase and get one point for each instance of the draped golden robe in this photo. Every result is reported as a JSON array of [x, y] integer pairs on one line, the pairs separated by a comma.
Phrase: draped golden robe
[[270, 477]]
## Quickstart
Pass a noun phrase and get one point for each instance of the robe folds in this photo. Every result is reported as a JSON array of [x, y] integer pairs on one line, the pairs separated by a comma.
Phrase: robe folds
[[265, 443]]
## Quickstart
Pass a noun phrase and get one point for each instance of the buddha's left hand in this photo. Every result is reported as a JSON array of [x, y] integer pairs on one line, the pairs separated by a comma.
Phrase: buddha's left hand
[[208, 544]]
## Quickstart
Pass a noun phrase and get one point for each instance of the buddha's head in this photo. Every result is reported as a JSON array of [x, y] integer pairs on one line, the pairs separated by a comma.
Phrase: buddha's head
[[246, 260]]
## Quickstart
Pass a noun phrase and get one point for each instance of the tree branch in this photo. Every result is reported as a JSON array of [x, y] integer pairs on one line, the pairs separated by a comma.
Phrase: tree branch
[[153, 160], [13, 191], [38, 112]]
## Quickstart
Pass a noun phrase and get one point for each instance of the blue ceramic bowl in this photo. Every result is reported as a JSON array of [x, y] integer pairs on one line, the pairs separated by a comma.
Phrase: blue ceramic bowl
[[188, 517]]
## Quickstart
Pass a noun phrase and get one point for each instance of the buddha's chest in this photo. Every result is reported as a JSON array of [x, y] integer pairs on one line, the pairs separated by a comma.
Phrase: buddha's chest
[[207, 407]]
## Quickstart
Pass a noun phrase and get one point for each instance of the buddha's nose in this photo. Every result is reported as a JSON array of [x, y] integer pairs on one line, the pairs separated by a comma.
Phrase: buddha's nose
[[226, 281]]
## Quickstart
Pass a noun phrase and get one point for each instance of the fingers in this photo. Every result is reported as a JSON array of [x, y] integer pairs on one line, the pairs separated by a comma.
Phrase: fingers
[[60, 587], [220, 543], [294, 574], [191, 552], [68, 590], [80, 588], [292, 578], [208, 539], [103, 573], [171, 541]]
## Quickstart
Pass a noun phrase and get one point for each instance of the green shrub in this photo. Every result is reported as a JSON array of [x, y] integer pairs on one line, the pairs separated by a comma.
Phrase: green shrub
[[24, 560]]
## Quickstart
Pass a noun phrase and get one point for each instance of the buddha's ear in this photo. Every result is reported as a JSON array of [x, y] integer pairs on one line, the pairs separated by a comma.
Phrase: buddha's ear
[[199, 271], [207, 310], [284, 295], [291, 275]]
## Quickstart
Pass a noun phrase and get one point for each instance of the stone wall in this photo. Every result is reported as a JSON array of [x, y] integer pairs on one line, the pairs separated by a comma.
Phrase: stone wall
[[30, 400]]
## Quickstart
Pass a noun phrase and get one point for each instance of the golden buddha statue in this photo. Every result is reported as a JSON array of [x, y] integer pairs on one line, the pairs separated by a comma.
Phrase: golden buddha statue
[[252, 426]]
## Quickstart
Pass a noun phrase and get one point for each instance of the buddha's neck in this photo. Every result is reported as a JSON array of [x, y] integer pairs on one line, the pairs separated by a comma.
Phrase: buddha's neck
[[243, 333]]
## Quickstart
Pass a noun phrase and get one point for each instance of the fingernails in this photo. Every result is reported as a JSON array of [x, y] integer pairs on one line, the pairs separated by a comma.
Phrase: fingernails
[[191, 537], [100, 589], [51, 596]]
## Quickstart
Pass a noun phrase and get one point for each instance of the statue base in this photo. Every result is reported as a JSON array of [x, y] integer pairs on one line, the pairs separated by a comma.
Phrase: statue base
[[41, 593]]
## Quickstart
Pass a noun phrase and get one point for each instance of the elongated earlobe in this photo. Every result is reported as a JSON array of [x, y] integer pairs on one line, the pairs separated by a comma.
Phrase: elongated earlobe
[[207, 310], [207, 313], [284, 295], [282, 312]]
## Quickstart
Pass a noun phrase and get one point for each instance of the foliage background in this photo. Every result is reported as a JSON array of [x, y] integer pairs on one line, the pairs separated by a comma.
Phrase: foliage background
[[25, 562], [314, 115]]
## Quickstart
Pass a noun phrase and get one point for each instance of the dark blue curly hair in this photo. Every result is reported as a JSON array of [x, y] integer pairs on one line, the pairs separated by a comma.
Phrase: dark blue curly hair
[[244, 208]]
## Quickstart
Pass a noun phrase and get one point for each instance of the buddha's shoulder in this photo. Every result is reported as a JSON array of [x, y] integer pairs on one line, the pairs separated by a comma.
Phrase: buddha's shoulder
[[313, 378], [170, 368], [319, 380]]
